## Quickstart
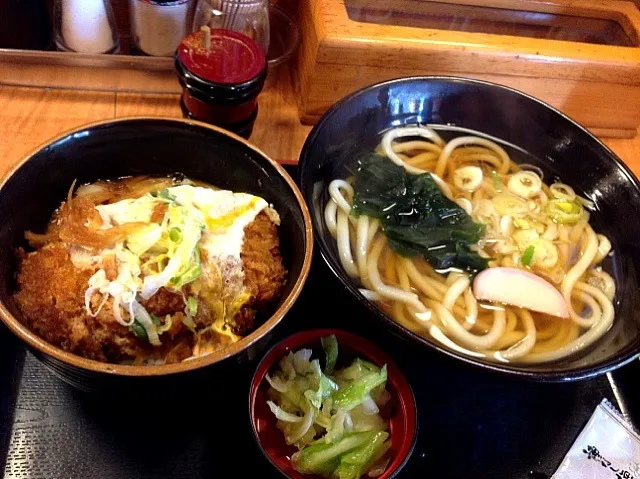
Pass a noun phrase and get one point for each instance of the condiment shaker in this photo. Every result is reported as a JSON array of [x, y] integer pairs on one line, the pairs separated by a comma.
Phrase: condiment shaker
[[85, 26], [158, 26]]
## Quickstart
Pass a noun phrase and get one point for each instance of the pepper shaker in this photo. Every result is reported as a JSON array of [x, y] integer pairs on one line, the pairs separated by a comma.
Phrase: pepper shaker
[[158, 26]]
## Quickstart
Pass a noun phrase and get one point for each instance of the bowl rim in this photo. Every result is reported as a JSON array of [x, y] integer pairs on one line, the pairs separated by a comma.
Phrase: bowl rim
[[315, 335], [42, 346], [532, 373]]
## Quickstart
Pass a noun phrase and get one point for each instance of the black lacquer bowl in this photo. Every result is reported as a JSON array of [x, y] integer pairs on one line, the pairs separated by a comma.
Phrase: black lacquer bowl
[[31, 192], [531, 132]]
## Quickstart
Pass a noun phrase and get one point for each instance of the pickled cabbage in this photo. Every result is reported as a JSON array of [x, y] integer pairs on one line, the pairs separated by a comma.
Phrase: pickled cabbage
[[331, 416]]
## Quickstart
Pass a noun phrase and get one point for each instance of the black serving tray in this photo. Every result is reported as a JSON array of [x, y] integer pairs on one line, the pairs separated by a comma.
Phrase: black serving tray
[[472, 423]]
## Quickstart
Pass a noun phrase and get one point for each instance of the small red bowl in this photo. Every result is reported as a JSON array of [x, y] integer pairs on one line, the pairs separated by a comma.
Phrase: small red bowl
[[403, 422]]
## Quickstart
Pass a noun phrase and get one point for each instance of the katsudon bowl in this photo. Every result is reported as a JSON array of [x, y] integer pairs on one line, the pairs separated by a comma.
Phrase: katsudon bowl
[[36, 186]]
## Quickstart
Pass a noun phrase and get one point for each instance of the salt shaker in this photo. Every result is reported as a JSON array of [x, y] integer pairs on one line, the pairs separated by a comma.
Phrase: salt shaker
[[85, 26], [158, 26]]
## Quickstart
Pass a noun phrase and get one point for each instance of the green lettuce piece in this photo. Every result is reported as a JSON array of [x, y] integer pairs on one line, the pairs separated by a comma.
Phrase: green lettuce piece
[[357, 369], [353, 464], [377, 457], [193, 272], [336, 427], [330, 346], [325, 389], [363, 455], [323, 458], [348, 471], [318, 385], [356, 392]]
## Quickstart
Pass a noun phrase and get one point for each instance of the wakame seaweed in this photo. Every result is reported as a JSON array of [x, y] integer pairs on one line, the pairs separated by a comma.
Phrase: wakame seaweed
[[416, 217]]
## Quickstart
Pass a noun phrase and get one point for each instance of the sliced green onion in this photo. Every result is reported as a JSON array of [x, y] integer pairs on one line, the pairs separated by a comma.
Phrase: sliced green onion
[[468, 178], [510, 205], [138, 329], [155, 319], [527, 256], [164, 194], [497, 182], [529, 167], [588, 204], [564, 211], [524, 184], [175, 235], [561, 191]]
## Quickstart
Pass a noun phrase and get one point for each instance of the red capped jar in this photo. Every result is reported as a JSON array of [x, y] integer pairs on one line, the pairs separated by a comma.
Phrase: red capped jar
[[221, 83]]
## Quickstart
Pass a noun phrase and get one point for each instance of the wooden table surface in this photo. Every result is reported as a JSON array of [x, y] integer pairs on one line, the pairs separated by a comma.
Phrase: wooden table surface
[[30, 117]]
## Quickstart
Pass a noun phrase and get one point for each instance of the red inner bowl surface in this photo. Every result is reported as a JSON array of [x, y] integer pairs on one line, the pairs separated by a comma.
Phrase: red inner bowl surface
[[402, 423]]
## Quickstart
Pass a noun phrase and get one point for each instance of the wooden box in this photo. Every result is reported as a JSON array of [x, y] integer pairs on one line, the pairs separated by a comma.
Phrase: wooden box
[[581, 56]]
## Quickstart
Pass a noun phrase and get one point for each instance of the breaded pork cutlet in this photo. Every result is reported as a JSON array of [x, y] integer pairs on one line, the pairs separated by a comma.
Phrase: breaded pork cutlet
[[51, 297]]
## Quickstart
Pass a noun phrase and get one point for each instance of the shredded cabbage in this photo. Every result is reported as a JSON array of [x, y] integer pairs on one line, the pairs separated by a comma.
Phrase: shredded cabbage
[[143, 239], [142, 316], [277, 384], [332, 416], [184, 258], [173, 226], [281, 414]]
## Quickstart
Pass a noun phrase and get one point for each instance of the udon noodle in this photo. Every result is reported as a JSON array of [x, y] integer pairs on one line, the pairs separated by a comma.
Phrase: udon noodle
[[529, 226]]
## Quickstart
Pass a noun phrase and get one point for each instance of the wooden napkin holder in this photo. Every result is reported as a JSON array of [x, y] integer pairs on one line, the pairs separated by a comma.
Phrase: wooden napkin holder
[[587, 64]]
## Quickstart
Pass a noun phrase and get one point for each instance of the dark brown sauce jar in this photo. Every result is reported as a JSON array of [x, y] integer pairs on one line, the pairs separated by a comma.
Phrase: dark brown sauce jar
[[220, 85]]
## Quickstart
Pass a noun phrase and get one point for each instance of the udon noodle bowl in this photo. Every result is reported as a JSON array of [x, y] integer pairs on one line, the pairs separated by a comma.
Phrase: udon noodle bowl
[[458, 243]]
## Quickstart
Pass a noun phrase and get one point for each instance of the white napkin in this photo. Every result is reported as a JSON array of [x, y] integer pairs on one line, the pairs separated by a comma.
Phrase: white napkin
[[607, 448]]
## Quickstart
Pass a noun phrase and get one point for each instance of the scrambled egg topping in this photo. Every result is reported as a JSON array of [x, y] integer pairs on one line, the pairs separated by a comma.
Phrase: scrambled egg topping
[[195, 239]]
